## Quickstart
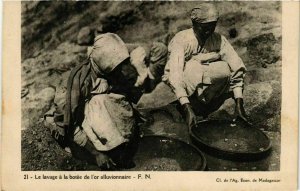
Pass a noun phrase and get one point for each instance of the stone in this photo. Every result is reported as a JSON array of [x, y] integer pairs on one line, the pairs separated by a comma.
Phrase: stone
[[85, 36], [273, 72], [262, 102], [67, 47], [36, 105], [264, 49], [46, 94]]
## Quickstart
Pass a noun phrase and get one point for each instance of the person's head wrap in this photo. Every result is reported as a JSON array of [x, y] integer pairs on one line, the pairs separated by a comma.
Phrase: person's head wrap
[[158, 52], [157, 55], [107, 53], [205, 13], [158, 59]]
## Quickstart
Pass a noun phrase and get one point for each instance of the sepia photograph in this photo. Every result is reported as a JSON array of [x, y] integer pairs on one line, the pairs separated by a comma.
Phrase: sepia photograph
[[151, 86], [150, 95]]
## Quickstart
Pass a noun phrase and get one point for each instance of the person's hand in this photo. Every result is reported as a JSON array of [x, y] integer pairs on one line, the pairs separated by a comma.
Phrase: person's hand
[[190, 116], [240, 112], [104, 162], [207, 57]]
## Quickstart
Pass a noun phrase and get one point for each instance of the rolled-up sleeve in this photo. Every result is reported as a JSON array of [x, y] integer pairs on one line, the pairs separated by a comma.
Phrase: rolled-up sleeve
[[176, 64], [237, 67]]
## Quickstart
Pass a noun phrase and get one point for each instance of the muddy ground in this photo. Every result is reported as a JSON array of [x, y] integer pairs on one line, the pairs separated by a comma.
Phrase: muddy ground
[[51, 48]]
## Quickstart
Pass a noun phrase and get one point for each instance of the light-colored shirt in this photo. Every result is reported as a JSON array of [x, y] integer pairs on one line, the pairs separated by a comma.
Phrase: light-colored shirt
[[185, 45]]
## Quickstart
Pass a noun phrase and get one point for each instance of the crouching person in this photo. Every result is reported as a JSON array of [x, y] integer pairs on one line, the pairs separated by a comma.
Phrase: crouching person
[[149, 61], [203, 69], [99, 119]]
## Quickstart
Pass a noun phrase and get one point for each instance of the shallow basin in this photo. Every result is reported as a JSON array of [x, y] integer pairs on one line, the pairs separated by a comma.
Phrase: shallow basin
[[233, 141], [160, 153]]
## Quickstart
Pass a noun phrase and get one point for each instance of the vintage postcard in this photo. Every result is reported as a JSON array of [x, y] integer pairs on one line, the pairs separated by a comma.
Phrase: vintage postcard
[[142, 95]]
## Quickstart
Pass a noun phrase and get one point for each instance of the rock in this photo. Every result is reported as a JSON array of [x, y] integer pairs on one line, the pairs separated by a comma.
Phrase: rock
[[46, 95], [36, 54], [269, 115], [68, 48], [263, 74], [99, 30], [257, 95], [50, 65], [67, 55], [262, 104], [49, 71], [24, 92], [264, 49], [232, 18], [60, 98], [85, 36], [37, 104]]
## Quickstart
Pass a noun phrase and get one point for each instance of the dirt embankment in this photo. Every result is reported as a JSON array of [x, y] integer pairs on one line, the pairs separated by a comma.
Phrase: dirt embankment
[[50, 50]]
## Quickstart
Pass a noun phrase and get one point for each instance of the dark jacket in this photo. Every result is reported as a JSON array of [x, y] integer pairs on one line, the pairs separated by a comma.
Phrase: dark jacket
[[78, 91]]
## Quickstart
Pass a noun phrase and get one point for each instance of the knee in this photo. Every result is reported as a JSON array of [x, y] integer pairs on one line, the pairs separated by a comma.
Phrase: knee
[[98, 98], [219, 70]]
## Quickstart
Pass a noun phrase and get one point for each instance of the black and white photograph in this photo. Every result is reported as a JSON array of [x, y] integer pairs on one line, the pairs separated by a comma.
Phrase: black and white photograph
[[151, 86]]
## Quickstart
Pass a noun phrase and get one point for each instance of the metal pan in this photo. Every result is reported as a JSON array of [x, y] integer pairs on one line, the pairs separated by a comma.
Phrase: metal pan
[[226, 140], [160, 153]]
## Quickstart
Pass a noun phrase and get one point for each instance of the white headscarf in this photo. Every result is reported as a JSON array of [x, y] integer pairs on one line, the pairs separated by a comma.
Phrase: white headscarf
[[106, 54]]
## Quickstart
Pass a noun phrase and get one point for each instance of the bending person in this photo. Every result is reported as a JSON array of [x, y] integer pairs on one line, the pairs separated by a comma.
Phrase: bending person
[[99, 117], [203, 69]]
